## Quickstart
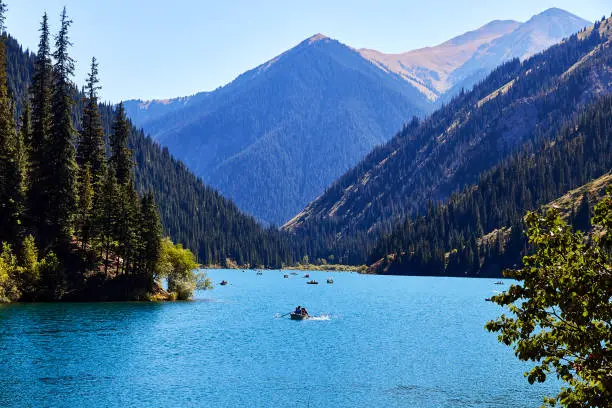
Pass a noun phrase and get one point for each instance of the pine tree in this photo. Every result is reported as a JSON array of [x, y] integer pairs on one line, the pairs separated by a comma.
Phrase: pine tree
[[62, 151], [10, 177], [91, 144], [121, 155], [41, 90]]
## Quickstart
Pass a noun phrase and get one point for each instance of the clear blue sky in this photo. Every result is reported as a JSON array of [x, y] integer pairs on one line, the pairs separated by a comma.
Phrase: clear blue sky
[[160, 49]]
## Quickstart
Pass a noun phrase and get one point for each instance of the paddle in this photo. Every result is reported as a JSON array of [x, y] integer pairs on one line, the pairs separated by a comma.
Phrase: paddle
[[286, 314]]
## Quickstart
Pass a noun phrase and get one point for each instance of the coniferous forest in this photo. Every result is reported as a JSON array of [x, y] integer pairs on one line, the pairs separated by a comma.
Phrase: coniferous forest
[[73, 225]]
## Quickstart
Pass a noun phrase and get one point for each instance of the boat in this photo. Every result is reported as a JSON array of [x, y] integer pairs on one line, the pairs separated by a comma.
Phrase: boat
[[299, 316], [499, 283], [294, 273], [223, 283], [330, 280], [285, 276], [259, 273], [312, 282], [307, 275]]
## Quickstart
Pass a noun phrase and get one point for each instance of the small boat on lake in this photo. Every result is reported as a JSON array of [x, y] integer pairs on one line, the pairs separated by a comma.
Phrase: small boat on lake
[[260, 273], [312, 282], [223, 283], [330, 280], [499, 283], [307, 275], [299, 316], [285, 276], [294, 273]]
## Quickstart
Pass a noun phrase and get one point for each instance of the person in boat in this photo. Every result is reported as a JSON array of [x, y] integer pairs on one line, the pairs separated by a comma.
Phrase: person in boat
[[304, 312], [298, 310]]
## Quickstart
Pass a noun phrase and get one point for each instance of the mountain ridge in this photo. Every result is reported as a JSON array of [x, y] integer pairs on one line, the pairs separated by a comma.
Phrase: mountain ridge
[[517, 104]]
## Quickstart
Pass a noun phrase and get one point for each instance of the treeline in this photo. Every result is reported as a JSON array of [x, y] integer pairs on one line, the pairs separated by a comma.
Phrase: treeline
[[479, 231], [72, 225]]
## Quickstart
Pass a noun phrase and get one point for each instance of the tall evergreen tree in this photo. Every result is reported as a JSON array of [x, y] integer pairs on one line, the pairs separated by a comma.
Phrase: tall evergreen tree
[[108, 217], [62, 151], [10, 177], [23, 143], [84, 216], [150, 236], [40, 90], [91, 145], [121, 156]]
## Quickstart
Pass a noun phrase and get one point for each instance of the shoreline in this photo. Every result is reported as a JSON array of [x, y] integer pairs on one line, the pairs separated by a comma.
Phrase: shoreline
[[308, 267]]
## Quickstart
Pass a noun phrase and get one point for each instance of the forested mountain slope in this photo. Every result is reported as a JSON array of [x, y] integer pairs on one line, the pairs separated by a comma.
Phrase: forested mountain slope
[[478, 232], [277, 135], [518, 103], [191, 213]]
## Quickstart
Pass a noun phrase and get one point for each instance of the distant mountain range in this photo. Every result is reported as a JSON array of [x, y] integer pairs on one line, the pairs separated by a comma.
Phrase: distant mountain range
[[274, 138]]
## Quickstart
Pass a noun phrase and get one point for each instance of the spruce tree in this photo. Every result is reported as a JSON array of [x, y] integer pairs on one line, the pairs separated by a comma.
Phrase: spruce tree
[[84, 216], [127, 229], [40, 90], [91, 145], [108, 217], [10, 177], [23, 143], [62, 151], [150, 237], [121, 155]]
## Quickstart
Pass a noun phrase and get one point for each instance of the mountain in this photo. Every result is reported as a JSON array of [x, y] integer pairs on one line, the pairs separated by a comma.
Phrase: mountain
[[518, 104], [191, 213], [443, 70], [276, 136], [272, 139]]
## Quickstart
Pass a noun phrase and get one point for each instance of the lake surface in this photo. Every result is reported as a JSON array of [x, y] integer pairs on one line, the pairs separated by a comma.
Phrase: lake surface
[[379, 341]]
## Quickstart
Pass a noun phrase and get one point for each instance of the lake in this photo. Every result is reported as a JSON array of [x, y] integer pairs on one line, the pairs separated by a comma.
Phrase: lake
[[378, 341]]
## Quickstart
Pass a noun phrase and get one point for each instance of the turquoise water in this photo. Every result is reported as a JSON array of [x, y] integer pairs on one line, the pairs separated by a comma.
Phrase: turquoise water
[[378, 342]]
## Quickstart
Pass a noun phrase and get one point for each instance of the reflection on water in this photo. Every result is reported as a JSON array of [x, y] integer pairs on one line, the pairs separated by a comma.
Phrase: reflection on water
[[379, 341]]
